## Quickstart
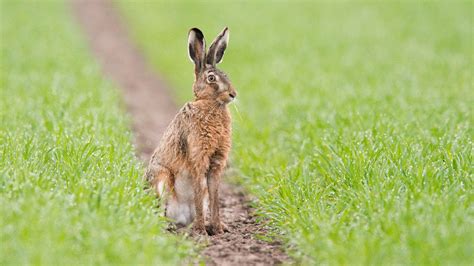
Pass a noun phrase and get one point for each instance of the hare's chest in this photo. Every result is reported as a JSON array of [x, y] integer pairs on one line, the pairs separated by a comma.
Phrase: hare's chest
[[214, 134], [210, 131]]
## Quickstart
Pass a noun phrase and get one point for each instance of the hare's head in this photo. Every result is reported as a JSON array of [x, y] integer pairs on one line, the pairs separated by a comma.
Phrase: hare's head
[[210, 83]]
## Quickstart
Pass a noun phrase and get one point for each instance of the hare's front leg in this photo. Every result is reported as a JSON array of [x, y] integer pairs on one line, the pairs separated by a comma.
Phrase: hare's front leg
[[217, 165], [199, 185]]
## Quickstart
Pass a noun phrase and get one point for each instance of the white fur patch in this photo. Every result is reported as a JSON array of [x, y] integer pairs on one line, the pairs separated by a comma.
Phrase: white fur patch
[[181, 209], [161, 188], [184, 187], [181, 212], [204, 182]]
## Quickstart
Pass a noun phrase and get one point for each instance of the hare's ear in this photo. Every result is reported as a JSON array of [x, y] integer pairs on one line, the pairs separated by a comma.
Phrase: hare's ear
[[217, 49], [196, 48]]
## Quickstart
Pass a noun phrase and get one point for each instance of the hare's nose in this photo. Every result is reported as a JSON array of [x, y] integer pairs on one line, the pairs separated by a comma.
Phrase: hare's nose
[[232, 95]]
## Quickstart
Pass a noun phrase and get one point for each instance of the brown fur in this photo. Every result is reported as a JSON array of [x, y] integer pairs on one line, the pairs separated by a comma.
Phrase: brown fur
[[197, 142]]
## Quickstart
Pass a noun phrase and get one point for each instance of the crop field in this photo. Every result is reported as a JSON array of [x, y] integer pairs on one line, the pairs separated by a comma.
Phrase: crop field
[[353, 130], [354, 122], [70, 189]]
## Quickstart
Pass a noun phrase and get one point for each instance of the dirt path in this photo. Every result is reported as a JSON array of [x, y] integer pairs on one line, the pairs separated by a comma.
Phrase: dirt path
[[152, 108]]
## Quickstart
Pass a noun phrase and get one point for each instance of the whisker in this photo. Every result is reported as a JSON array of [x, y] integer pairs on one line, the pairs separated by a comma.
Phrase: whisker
[[237, 110]]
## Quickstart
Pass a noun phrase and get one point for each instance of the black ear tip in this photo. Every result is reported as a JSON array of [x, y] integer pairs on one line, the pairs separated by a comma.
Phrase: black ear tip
[[197, 32]]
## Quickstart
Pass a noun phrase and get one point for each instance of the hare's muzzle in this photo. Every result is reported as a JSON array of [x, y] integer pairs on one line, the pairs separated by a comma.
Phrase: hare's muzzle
[[232, 93]]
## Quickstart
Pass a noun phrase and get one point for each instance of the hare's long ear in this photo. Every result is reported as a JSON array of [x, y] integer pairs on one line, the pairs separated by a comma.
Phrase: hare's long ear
[[196, 48], [217, 49]]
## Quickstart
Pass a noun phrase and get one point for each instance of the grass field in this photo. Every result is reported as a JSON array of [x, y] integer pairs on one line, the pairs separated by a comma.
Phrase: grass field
[[355, 126], [70, 191]]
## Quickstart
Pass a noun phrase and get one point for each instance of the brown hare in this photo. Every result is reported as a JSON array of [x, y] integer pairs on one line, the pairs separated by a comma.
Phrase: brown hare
[[187, 165]]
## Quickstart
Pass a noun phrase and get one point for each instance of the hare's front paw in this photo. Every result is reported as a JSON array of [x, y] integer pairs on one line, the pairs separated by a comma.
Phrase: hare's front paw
[[217, 228], [199, 229]]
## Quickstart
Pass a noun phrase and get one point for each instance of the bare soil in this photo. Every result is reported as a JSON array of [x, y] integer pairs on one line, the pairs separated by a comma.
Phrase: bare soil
[[149, 102]]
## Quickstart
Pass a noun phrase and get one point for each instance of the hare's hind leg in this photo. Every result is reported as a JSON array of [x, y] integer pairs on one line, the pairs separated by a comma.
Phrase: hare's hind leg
[[160, 179], [177, 193], [181, 203]]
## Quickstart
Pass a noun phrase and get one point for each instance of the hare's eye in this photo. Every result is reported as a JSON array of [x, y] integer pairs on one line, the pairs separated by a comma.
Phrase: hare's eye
[[211, 78]]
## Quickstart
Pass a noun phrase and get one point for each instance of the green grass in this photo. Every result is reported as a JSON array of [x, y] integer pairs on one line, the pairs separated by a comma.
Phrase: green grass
[[356, 120], [70, 189]]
